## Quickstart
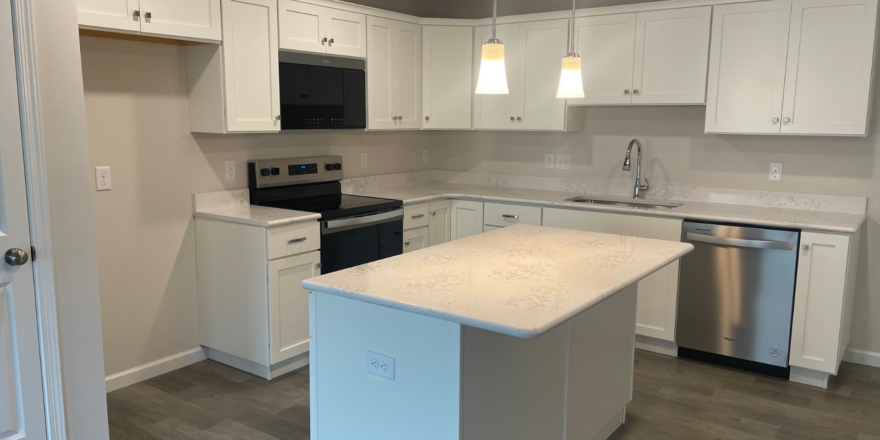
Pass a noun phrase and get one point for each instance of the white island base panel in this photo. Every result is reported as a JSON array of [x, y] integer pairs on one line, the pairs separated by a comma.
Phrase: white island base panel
[[453, 381]]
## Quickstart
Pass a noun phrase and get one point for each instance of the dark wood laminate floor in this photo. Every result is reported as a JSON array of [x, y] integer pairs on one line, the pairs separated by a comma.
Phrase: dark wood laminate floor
[[672, 399]]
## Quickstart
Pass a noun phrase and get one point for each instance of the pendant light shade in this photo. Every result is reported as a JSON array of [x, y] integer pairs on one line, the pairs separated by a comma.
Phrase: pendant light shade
[[571, 81], [493, 74]]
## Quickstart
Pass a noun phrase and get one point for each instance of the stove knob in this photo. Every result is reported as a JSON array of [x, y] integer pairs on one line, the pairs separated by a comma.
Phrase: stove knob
[[328, 167], [337, 166], [276, 171], [265, 172]]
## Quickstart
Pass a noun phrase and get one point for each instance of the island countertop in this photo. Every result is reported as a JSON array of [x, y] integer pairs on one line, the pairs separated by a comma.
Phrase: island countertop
[[521, 280]]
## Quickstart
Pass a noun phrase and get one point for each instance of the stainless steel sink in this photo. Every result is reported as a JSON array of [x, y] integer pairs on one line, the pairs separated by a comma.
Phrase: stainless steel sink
[[642, 204]]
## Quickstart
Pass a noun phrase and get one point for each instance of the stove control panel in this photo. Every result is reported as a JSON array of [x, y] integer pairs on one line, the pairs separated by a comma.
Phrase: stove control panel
[[266, 173]]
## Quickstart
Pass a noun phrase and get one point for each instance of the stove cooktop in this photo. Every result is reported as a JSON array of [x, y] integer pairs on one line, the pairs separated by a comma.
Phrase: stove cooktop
[[336, 206]]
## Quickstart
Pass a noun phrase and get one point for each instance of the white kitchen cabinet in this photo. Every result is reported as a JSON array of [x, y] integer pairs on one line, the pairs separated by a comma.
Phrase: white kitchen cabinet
[[791, 67], [416, 216], [823, 302], [234, 87], [447, 66], [606, 44], [467, 218], [289, 304], [533, 54], [393, 74], [191, 19], [415, 239], [310, 28], [658, 293], [439, 228], [505, 214]]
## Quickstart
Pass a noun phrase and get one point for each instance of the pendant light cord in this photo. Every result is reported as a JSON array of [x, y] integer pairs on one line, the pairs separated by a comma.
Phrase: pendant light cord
[[494, 14], [570, 48]]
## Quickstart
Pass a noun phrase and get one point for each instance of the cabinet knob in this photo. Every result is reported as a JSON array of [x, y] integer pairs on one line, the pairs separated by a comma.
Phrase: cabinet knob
[[148, 15], [427, 118], [512, 119], [805, 247], [406, 243], [323, 41], [635, 91], [626, 92], [330, 43], [137, 14], [278, 118], [786, 120], [518, 119], [434, 213], [775, 120]]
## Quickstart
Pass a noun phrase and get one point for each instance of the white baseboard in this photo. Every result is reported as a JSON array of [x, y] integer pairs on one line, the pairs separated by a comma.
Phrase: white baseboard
[[153, 369], [655, 345], [864, 357]]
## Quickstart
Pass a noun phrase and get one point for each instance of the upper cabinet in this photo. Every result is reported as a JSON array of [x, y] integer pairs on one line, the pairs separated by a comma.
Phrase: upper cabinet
[[233, 87], [393, 75], [792, 67], [190, 20], [533, 55], [447, 66], [309, 28], [657, 57]]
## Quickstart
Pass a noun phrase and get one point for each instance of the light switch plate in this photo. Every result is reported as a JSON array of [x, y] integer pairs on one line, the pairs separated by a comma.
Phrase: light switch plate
[[425, 156], [776, 172], [363, 160], [230, 170], [380, 365], [102, 178], [563, 161], [549, 160]]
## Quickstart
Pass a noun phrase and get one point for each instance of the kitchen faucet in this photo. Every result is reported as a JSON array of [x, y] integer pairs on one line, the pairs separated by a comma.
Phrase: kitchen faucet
[[626, 167]]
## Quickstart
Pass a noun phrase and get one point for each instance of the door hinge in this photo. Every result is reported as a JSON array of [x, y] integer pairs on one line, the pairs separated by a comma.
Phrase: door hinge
[[33, 254]]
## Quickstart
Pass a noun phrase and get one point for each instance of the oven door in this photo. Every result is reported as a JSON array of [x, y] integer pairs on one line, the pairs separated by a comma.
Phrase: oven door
[[352, 241]]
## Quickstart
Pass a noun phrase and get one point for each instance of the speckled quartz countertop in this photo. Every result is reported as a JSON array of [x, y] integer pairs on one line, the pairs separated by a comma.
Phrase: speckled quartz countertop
[[521, 280], [815, 220], [234, 206]]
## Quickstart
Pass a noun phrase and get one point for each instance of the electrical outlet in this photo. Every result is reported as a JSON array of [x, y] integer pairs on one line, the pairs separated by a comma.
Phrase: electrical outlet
[[363, 160], [776, 172], [425, 156], [102, 178], [563, 161], [230, 170], [549, 160], [380, 365]]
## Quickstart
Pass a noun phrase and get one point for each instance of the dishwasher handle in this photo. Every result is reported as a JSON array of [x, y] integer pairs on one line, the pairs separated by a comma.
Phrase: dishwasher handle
[[739, 242]]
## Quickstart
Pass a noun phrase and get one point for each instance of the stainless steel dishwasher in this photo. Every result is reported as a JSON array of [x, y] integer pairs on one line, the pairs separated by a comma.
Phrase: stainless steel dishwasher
[[736, 295]]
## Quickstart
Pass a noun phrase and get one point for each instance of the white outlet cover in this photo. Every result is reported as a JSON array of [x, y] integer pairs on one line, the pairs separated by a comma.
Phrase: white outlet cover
[[363, 160], [425, 155], [102, 178], [230, 170], [549, 160], [776, 172], [380, 365], [563, 161]]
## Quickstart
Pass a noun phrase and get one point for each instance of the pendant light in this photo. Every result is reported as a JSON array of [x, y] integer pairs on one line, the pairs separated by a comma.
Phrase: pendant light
[[571, 83], [493, 75]]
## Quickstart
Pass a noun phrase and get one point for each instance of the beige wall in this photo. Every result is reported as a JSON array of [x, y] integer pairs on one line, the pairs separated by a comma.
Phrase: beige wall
[[677, 151], [137, 124]]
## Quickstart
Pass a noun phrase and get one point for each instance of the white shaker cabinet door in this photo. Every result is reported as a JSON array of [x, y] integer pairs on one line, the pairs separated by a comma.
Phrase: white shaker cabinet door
[[498, 112], [301, 27], [346, 33], [447, 66], [109, 14], [830, 57], [467, 218], [671, 56], [438, 227], [381, 73], [193, 19], [289, 304], [250, 64], [407, 90], [542, 45], [415, 239], [606, 44], [747, 67]]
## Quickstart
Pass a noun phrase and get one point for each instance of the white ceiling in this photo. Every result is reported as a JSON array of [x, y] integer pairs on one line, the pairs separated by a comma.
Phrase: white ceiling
[[483, 8]]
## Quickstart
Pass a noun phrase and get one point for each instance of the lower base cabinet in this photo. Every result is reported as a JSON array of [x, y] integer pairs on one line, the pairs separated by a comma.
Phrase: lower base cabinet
[[415, 239], [467, 218]]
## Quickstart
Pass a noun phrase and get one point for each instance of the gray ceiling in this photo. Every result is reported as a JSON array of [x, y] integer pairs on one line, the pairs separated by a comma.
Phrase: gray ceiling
[[483, 8]]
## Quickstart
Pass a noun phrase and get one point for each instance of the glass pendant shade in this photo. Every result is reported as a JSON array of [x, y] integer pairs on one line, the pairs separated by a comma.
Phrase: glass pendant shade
[[571, 84], [493, 76]]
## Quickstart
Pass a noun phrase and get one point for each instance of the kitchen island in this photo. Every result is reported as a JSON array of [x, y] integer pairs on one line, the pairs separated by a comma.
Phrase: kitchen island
[[526, 333]]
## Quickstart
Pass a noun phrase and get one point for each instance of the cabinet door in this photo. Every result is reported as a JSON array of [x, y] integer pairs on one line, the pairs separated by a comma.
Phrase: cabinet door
[[407, 61], [606, 44], [747, 67], [250, 64], [543, 44], [467, 218], [301, 26], [658, 292], [346, 33], [194, 19], [819, 299], [380, 74], [415, 239], [108, 14], [439, 228], [498, 112], [447, 66], [830, 57], [672, 56], [289, 304]]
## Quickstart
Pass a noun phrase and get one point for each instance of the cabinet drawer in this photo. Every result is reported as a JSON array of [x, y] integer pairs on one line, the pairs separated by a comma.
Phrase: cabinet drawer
[[499, 214], [292, 239], [416, 216]]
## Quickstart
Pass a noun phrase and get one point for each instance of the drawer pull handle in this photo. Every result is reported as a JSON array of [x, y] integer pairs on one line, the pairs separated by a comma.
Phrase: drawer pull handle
[[510, 216], [296, 240], [418, 216]]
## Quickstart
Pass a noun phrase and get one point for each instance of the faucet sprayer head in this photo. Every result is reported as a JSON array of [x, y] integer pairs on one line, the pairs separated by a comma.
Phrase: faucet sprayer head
[[626, 166]]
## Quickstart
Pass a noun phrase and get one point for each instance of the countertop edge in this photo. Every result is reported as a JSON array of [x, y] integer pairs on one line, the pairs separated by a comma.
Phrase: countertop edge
[[265, 224]]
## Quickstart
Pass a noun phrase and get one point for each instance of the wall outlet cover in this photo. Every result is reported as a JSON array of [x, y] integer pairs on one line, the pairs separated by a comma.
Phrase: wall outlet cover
[[549, 160], [776, 172], [425, 156], [102, 178], [563, 161], [380, 365], [230, 170], [363, 160]]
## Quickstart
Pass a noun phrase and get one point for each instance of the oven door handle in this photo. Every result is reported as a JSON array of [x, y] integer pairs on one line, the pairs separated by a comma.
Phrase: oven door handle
[[739, 242], [366, 220]]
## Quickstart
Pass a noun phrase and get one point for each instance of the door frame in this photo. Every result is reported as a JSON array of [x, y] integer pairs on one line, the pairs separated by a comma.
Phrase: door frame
[[38, 218]]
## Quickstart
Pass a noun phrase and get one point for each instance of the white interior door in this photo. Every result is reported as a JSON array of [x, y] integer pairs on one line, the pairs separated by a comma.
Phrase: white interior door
[[289, 304], [346, 33], [380, 74], [747, 67], [109, 14], [196, 19], [21, 389], [498, 112], [301, 26], [543, 44], [447, 66], [828, 78], [606, 44], [672, 56]]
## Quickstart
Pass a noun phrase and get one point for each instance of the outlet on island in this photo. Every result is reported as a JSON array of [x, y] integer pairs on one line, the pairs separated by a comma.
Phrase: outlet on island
[[380, 365]]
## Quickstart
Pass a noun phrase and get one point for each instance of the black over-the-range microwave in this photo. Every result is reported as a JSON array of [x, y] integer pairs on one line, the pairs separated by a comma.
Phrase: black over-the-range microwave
[[320, 92]]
